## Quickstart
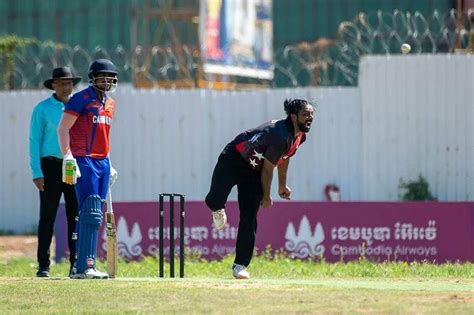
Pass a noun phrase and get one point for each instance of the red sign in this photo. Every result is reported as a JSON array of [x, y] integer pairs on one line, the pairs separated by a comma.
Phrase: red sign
[[432, 231]]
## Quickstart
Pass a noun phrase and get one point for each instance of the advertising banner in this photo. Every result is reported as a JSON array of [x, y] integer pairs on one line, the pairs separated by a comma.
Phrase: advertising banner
[[236, 37], [338, 231]]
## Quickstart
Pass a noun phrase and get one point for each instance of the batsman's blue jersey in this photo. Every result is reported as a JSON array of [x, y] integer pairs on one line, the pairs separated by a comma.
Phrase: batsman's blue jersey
[[89, 141], [90, 133]]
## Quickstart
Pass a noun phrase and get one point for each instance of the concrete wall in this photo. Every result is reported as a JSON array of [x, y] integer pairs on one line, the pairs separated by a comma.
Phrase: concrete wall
[[417, 118], [410, 115], [170, 141]]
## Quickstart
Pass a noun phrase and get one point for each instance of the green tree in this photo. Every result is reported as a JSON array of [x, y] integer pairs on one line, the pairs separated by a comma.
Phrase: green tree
[[416, 190], [8, 46]]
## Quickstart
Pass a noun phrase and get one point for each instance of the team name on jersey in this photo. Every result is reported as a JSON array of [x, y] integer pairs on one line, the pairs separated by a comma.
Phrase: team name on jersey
[[102, 119], [255, 137]]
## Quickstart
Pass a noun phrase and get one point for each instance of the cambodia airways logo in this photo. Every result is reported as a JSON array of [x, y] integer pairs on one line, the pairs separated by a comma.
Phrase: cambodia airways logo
[[128, 243], [304, 242]]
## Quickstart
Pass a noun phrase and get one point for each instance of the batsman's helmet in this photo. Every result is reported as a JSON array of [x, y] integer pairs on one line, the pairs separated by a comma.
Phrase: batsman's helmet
[[107, 71]]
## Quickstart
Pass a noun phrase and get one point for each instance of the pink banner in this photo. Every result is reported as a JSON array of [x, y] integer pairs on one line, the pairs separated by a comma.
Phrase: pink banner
[[432, 231]]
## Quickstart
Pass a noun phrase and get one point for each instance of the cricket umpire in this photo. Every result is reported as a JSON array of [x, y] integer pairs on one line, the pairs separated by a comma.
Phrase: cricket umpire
[[46, 166]]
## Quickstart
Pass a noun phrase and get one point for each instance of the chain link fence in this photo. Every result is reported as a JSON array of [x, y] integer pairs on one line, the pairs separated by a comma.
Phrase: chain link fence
[[325, 62]]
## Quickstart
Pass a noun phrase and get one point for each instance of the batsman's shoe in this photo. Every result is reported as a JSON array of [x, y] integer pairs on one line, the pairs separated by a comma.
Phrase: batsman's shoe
[[219, 218], [90, 273], [240, 272], [76, 275]]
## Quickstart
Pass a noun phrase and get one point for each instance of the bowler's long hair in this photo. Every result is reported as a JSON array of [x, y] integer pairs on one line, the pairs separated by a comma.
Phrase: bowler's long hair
[[293, 106]]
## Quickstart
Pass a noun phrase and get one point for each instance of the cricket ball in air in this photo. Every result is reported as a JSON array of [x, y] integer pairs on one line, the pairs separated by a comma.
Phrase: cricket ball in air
[[405, 48]]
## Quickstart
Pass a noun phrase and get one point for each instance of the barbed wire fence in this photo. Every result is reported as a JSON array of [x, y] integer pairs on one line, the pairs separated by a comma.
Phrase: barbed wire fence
[[325, 62], [336, 62]]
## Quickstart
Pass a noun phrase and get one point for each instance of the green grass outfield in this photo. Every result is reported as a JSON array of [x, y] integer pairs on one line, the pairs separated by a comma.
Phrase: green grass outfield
[[278, 285]]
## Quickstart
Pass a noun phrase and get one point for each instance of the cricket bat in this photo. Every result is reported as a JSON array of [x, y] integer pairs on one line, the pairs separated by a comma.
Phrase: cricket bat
[[111, 241]]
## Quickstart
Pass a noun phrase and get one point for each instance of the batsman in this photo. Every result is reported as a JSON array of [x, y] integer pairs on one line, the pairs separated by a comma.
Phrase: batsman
[[84, 140]]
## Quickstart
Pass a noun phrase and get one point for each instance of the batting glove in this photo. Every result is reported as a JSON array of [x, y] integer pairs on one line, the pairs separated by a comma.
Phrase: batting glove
[[71, 170], [113, 176]]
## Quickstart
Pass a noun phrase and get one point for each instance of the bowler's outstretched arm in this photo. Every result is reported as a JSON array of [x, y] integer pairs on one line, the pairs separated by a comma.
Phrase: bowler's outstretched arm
[[283, 190], [267, 176]]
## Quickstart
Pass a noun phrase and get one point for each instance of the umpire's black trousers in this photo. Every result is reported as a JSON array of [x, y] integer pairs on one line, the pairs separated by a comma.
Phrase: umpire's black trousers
[[49, 201], [231, 170]]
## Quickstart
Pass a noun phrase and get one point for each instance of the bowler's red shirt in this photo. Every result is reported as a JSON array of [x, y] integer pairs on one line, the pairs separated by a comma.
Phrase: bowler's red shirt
[[274, 141]]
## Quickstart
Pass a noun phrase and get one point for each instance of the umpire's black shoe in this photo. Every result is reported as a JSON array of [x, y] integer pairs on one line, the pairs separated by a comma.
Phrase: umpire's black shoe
[[43, 273], [72, 271]]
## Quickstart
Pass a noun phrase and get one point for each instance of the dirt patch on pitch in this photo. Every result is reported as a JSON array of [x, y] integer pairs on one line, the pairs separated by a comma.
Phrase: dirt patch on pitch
[[18, 246]]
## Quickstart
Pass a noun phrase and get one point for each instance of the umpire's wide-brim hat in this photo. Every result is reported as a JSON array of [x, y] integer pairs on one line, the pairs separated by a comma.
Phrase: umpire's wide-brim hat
[[62, 73]]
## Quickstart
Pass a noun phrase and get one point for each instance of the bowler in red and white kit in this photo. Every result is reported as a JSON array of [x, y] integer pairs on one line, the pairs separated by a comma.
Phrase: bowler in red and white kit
[[248, 162]]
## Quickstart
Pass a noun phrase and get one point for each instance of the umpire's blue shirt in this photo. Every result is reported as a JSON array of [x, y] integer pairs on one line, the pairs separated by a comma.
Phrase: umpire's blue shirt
[[44, 133]]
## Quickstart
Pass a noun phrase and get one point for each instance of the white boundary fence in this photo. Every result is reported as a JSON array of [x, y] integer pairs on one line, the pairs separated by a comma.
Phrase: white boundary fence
[[410, 115]]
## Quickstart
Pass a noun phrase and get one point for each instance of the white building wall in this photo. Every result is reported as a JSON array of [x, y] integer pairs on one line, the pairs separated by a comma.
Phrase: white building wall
[[417, 118], [170, 140], [19, 199], [410, 115]]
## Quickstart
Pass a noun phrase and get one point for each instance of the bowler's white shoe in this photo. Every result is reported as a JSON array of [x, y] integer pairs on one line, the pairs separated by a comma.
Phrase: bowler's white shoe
[[90, 273], [240, 272], [219, 218]]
